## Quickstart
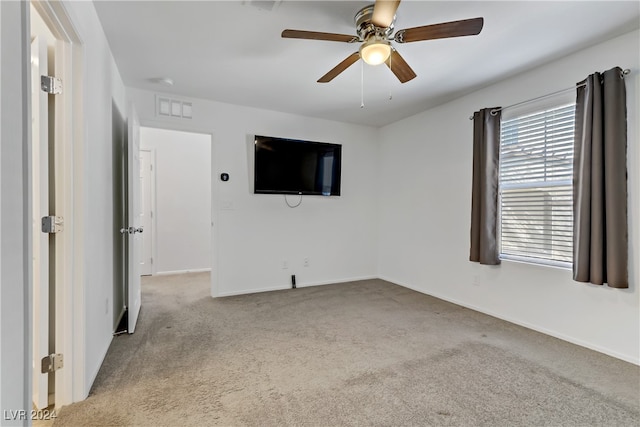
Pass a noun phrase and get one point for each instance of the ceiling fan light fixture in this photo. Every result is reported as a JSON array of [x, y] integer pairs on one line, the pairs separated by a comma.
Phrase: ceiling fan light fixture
[[375, 51]]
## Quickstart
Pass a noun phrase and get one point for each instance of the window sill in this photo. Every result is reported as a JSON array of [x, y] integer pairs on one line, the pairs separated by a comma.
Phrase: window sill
[[537, 262]]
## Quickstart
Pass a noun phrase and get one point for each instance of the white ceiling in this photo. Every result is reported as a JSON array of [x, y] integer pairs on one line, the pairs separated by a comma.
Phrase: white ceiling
[[231, 51]]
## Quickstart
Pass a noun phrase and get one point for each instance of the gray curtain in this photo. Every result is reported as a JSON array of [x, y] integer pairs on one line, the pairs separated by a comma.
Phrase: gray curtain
[[600, 241], [484, 195]]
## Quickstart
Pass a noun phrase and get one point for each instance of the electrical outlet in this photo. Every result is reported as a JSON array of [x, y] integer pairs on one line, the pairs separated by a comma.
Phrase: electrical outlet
[[305, 262], [285, 264]]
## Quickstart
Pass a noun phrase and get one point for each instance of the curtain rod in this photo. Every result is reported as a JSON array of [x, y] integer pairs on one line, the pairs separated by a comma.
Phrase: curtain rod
[[495, 110]]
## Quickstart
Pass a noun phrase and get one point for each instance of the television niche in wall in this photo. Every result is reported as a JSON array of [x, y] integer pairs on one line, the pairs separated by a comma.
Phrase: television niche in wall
[[291, 166]]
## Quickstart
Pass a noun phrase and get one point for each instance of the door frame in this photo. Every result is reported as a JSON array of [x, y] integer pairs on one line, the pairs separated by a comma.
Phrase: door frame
[[69, 194], [40, 176]]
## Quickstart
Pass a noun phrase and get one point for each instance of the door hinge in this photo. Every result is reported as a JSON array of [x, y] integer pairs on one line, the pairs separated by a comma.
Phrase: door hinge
[[51, 224], [151, 260], [51, 85], [52, 363]]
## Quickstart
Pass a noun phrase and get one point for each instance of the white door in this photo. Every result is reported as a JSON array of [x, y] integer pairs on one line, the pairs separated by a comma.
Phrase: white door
[[146, 212], [40, 188], [133, 215]]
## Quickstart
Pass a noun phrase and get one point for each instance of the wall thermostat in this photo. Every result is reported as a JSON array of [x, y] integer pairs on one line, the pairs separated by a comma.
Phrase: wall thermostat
[[224, 177]]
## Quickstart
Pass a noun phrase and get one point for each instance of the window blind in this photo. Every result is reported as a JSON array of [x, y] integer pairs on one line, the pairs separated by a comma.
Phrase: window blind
[[535, 185]]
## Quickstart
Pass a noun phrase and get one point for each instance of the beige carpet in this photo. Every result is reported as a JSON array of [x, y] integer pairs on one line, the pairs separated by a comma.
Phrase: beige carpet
[[361, 353]]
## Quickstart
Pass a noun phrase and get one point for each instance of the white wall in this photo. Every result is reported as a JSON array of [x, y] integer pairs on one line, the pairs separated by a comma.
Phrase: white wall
[[183, 199], [425, 204], [15, 226], [253, 234], [101, 85]]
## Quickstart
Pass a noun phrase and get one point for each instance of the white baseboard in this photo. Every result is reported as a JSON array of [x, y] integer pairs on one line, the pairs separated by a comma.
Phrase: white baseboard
[[299, 285], [94, 374], [253, 291], [195, 270], [536, 328], [331, 282]]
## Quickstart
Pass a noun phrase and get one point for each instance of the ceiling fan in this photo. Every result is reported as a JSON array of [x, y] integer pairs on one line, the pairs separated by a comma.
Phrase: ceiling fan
[[374, 28]]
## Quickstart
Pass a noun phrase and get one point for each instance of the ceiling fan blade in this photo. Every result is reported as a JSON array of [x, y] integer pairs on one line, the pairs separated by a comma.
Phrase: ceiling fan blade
[[383, 12], [399, 67], [349, 60], [314, 35], [465, 27]]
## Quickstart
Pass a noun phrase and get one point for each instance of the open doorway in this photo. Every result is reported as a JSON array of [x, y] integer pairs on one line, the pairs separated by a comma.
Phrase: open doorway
[[175, 180]]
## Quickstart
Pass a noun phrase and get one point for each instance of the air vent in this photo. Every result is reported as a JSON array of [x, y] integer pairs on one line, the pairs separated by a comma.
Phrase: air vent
[[167, 107]]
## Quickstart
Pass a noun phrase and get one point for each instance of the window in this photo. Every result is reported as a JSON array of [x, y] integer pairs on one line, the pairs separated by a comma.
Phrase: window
[[535, 186]]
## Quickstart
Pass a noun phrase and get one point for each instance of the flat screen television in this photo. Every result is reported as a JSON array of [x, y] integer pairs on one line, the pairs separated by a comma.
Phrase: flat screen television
[[290, 166]]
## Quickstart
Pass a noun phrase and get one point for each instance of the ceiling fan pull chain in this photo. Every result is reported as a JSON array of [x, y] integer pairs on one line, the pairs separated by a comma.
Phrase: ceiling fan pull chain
[[362, 85]]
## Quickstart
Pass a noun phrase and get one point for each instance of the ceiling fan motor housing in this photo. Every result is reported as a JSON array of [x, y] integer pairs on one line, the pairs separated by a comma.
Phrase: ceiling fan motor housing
[[365, 28]]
